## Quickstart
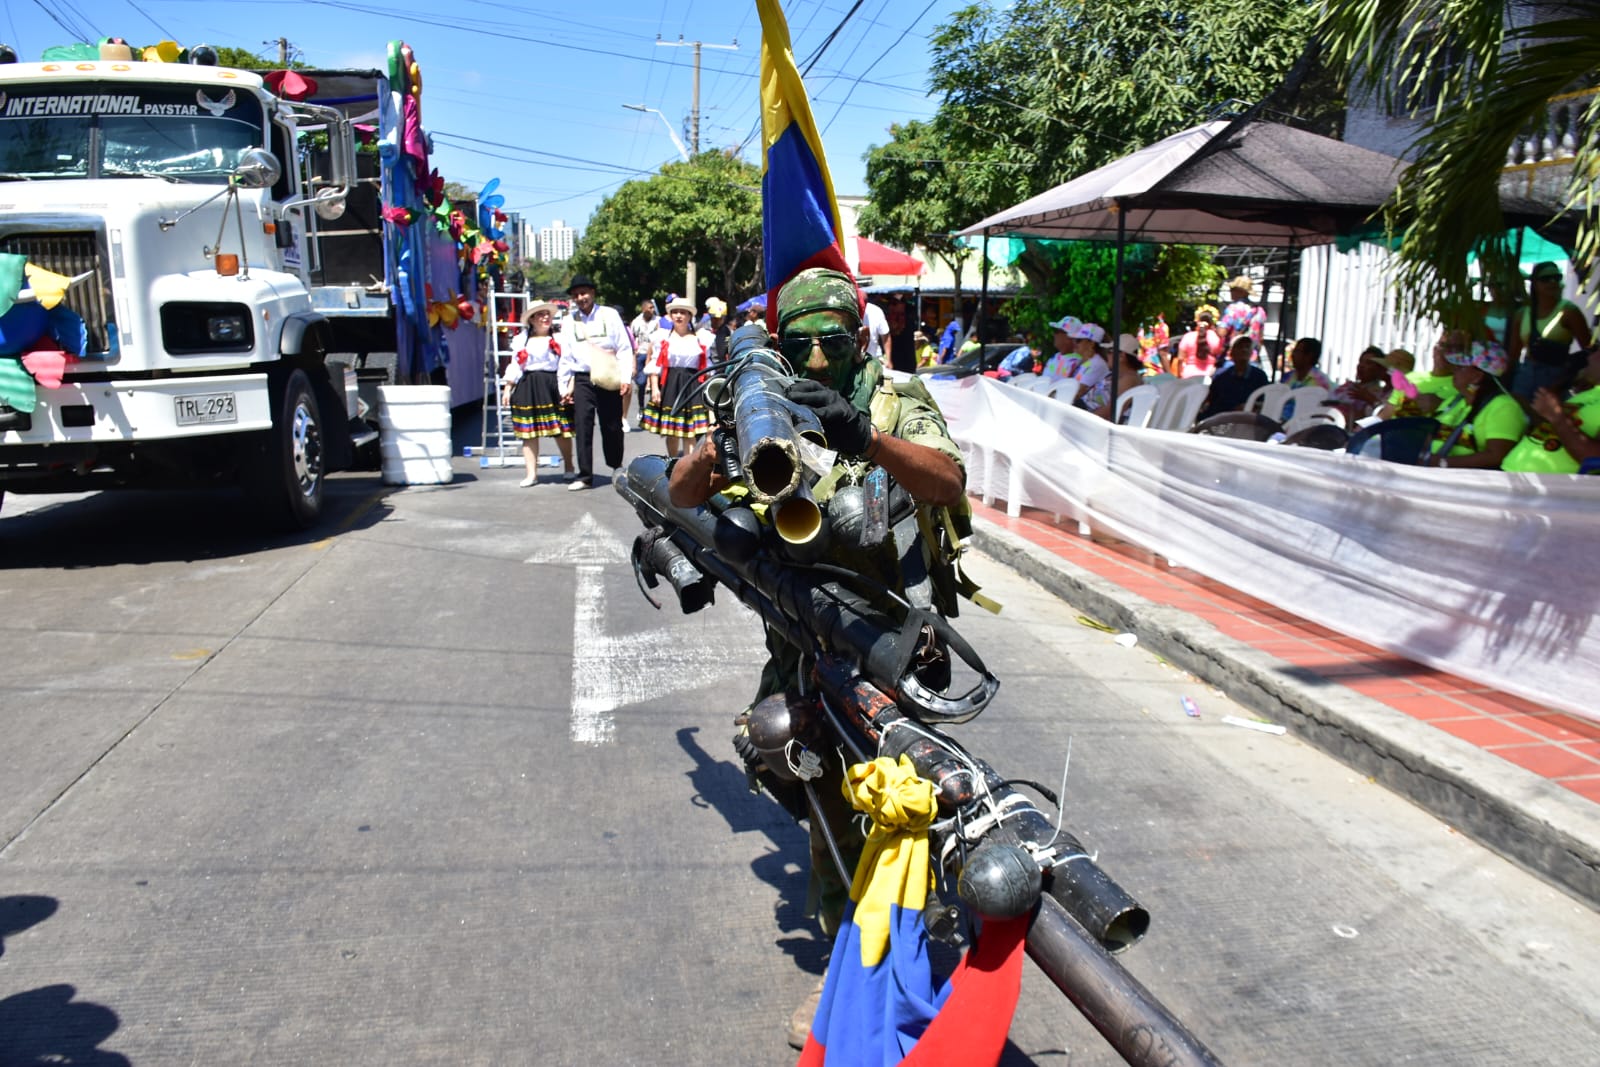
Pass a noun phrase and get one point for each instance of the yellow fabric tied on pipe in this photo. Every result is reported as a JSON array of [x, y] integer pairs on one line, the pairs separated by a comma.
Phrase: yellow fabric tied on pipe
[[894, 863]]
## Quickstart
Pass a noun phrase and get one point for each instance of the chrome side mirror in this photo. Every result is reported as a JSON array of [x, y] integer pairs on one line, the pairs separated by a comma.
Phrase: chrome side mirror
[[257, 169]]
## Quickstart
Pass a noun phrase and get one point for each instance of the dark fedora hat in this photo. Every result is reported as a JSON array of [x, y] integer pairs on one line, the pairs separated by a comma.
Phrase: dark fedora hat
[[581, 281]]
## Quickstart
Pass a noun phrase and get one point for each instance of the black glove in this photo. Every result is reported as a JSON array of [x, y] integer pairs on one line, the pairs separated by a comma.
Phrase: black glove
[[848, 430], [748, 338]]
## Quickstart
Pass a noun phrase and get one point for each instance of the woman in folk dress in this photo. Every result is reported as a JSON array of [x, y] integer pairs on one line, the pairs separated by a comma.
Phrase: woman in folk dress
[[529, 388], [672, 374]]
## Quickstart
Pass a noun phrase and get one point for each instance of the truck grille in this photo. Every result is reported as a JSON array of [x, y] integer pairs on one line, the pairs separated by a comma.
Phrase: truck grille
[[72, 253]]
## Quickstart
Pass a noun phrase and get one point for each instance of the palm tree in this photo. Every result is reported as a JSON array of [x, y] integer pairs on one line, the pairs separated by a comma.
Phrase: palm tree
[[1477, 83]]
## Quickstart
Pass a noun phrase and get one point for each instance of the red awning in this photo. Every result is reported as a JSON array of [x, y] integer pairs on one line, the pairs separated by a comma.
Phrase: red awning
[[874, 258]]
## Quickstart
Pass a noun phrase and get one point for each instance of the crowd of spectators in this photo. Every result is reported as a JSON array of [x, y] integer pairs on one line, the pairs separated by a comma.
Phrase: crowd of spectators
[[1520, 392]]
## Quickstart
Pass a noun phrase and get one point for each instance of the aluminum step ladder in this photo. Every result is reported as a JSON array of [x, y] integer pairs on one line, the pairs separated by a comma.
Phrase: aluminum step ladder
[[498, 445]]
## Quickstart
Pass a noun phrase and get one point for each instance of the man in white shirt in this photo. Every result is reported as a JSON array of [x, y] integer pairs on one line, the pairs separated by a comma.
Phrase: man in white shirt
[[643, 329], [594, 332], [875, 327]]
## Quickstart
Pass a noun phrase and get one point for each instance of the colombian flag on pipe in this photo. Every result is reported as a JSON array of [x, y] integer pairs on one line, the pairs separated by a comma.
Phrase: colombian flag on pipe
[[882, 1005], [800, 224]]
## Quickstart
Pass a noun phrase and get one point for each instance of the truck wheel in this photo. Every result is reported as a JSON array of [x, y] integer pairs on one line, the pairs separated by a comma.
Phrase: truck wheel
[[291, 482]]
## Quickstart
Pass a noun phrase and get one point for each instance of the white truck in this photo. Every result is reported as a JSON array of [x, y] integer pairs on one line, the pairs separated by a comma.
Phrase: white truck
[[179, 197]]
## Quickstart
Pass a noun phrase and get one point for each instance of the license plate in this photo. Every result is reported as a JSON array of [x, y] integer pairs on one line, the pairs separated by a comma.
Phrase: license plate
[[208, 407]]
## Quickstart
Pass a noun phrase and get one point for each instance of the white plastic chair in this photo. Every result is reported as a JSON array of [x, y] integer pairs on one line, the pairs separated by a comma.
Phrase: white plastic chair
[[1180, 405], [1063, 389], [1137, 405], [1023, 381], [1269, 400], [1306, 408], [1042, 384], [1309, 410]]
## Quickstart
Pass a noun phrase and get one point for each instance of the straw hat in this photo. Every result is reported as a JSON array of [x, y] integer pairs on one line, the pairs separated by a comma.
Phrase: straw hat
[[678, 303], [542, 305], [1245, 282]]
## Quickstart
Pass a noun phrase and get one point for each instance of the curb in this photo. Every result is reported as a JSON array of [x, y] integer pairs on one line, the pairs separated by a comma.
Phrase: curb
[[1526, 818]]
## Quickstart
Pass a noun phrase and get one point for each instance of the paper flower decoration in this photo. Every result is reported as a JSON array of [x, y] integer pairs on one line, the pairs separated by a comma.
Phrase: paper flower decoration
[[165, 52], [47, 365], [289, 84], [442, 313]]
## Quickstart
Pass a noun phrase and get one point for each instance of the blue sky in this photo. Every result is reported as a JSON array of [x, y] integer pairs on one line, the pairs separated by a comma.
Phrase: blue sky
[[503, 80]]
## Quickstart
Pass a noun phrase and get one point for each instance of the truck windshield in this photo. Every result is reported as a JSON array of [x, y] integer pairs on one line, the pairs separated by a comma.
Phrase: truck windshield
[[103, 130]]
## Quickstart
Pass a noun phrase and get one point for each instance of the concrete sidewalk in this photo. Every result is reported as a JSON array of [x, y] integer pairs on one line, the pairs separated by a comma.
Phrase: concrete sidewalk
[[1523, 780]]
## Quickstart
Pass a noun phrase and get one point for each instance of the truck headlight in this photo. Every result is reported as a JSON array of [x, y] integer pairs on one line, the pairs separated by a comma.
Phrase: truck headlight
[[193, 328], [226, 329]]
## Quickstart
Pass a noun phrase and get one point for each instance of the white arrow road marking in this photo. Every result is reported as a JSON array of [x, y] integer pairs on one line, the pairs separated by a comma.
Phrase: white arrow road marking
[[609, 672]]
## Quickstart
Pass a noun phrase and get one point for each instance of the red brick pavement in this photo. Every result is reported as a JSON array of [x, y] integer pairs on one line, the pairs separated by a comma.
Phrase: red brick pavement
[[1558, 746]]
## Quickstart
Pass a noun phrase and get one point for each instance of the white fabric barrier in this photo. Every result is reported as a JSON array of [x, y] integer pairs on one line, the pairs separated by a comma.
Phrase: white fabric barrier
[[1480, 573]]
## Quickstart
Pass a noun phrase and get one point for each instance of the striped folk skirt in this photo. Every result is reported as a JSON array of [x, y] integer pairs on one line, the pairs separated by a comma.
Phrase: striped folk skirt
[[690, 419], [536, 408]]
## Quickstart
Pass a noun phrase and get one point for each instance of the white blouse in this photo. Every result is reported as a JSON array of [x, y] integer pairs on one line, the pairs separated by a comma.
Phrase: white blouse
[[529, 354]]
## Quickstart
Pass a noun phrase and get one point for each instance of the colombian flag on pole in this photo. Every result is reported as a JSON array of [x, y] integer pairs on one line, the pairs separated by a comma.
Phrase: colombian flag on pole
[[800, 225], [882, 1005]]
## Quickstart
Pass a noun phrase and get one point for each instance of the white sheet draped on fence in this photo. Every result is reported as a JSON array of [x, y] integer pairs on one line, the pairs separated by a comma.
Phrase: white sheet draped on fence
[[1479, 573]]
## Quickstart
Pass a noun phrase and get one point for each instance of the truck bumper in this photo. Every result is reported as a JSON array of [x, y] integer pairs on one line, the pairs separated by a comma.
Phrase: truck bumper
[[130, 412]]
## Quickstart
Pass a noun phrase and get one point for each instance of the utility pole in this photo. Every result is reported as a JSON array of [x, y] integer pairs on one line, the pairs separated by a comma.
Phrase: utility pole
[[691, 281], [283, 52]]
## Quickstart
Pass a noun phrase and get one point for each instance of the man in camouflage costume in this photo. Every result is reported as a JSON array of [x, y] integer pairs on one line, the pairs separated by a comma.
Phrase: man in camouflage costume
[[870, 422]]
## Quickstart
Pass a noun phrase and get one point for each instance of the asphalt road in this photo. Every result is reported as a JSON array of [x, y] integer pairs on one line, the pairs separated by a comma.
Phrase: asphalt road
[[436, 785]]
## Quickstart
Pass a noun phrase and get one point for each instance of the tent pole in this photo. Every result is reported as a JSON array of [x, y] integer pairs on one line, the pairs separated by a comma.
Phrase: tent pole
[[1289, 322], [1116, 309], [983, 295], [1327, 283]]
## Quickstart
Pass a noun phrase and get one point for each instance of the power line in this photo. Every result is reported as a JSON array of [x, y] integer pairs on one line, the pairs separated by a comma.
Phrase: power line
[[166, 33], [880, 59], [447, 138], [76, 33]]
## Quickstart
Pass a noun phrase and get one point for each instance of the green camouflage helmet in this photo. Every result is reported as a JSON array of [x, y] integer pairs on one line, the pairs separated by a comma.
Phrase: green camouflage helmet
[[818, 289]]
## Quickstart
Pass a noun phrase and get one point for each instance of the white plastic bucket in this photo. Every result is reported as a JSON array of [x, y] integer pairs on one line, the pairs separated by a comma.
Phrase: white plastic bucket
[[414, 434]]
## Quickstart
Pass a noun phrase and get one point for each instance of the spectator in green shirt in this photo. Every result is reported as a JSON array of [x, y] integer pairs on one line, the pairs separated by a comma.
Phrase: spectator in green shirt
[[1567, 435], [1483, 422]]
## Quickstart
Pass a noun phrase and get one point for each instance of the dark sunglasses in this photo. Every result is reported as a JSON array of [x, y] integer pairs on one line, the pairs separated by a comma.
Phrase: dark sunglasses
[[835, 346]]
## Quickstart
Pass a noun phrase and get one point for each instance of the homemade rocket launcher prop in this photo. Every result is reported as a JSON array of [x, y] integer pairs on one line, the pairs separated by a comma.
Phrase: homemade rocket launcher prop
[[882, 673]]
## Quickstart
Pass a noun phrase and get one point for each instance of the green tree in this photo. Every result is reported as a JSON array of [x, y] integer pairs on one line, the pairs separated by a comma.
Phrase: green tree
[[546, 278], [1476, 83], [1045, 90], [1042, 91], [1157, 279], [914, 195], [707, 209], [241, 59]]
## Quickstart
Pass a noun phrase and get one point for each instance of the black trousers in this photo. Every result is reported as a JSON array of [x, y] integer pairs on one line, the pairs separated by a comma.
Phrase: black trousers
[[589, 404]]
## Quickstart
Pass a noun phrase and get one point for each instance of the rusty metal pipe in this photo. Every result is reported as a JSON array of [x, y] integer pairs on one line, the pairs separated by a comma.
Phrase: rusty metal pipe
[[1117, 1004]]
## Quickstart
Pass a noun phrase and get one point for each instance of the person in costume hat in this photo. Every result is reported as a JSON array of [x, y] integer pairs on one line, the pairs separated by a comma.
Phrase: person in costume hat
[[1243, 316], [529, 387], [593, 333], [676, 408]]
